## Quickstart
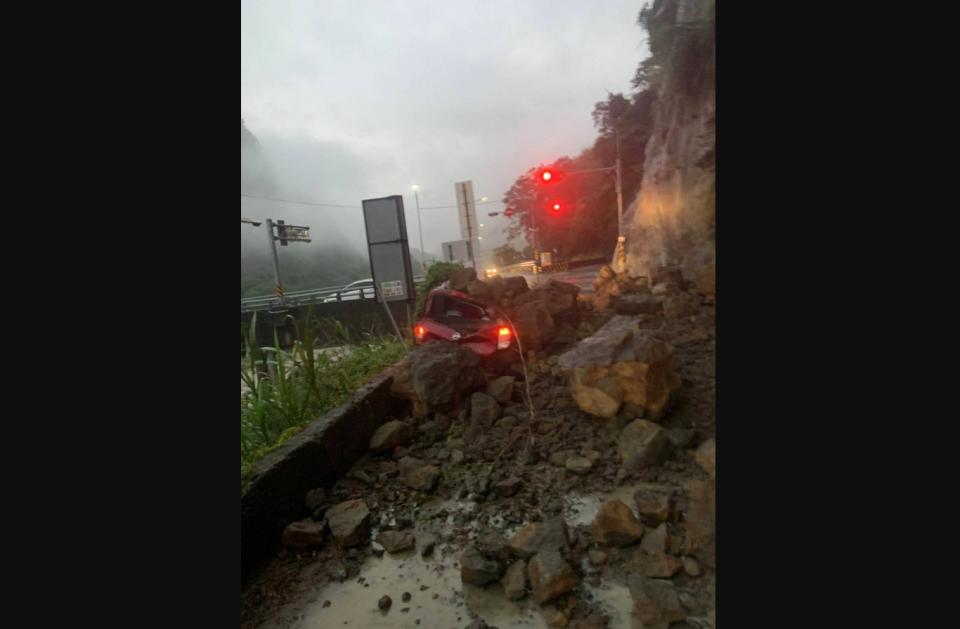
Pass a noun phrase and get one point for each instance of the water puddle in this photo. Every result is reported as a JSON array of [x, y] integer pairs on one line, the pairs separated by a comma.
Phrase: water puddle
[[438, 597]]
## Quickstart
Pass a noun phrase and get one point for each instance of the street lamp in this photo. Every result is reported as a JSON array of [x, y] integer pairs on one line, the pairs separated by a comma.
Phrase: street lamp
[[423, 264]]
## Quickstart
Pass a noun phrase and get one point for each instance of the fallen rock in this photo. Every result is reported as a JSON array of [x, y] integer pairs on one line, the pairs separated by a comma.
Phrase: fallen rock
[[706, 457], [515, 285], [615, 525], [481, 289], [415, 474], [402, 387], [459, 279], [680, 306], [554, 617], [534, 325], [406, 597], [539, 537], [493, 545], [384, 603], [515, 580], [655, 541], [484, 410], [563, 287], [620, 363], [501, 389], [315, 499], [642, 444], [655, 600], [691, 567], [509, 487], [579, 464], [550, 576], [701, 516], [655, 565], [654, 504], [390, 435], [637, 304], [303, 534], [427, 544], [476, 569], [349, 522], [597, 557], [456, 457], [559, 458], [395, 541], [443, 374]]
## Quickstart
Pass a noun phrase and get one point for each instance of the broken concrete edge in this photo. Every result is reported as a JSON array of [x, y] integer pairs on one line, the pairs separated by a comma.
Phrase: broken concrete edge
[[272, 495]]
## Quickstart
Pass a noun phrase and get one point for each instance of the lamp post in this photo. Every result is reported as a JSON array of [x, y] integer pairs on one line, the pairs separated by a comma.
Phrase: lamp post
[[423, 264]]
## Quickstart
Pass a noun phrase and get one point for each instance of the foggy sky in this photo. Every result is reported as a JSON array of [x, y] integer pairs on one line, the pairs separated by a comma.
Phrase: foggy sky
[[359, 99]]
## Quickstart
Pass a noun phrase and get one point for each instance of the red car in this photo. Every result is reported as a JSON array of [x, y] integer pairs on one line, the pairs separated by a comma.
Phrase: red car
[[456, 317]]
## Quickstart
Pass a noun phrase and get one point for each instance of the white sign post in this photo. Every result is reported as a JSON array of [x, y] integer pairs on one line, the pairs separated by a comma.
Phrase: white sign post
[[467, 212]]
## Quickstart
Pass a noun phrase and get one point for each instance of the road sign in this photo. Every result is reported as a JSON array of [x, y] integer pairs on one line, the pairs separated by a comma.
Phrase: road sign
[[389, 252], [457, 251]]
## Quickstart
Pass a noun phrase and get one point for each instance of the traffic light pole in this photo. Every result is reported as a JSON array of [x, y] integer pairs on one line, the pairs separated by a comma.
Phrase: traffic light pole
[[276, 260]]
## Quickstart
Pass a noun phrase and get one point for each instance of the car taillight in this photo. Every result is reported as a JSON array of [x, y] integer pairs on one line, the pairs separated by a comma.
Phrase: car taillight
[[419, 332], [503, 338]]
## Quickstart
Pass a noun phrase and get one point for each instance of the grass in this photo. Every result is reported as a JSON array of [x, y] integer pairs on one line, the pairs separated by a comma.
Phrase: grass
[[286, 390]]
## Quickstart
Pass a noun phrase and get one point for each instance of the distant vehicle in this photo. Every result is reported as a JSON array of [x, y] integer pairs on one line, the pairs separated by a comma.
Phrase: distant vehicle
[[361, 289], [456, 317], [491, 272]]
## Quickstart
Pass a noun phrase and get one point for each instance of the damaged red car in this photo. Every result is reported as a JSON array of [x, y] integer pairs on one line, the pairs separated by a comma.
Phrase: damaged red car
[[456, 317]]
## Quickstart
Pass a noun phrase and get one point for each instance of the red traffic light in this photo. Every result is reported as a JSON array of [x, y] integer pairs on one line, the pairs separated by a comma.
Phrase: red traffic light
[[556, 206], [548, 175]]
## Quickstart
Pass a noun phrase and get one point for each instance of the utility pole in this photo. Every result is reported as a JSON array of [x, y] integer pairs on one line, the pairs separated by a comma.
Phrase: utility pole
[[285, 233], [276, 260], [423, 264], [621, 239]]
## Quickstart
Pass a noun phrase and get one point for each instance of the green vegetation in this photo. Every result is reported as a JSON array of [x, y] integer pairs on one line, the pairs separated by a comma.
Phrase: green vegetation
[[437, 274], [286, 390]]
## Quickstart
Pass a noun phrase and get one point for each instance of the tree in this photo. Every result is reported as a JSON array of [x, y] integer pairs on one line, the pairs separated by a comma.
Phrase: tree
[[507, 255]]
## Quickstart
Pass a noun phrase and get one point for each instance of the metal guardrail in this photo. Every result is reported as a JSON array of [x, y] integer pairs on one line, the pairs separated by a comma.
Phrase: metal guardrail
[[309, 296]]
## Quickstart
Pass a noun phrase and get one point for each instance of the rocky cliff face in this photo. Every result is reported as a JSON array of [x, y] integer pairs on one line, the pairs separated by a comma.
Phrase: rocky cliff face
[[671, 222]]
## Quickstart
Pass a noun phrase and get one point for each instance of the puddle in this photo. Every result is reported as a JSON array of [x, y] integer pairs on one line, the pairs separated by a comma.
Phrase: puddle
[[354, 603]]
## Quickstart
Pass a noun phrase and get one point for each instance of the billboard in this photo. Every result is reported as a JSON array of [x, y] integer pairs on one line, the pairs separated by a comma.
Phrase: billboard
[[389, 252]]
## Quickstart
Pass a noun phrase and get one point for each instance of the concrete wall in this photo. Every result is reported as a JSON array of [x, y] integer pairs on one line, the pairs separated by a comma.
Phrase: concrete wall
[[273, 494]]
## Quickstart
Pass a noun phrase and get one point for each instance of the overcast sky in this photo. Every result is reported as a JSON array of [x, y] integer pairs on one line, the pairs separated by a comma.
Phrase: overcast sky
[[359, 99]]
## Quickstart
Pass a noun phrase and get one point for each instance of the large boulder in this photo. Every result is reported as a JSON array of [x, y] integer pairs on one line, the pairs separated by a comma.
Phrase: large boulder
[[479, 288], [402, 387], [643, 444], [534, 325], [616, 525], [550, 576], [445, 373], [390, 435], [701, 520], [349, 522], [620, 363], [459, 279]]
